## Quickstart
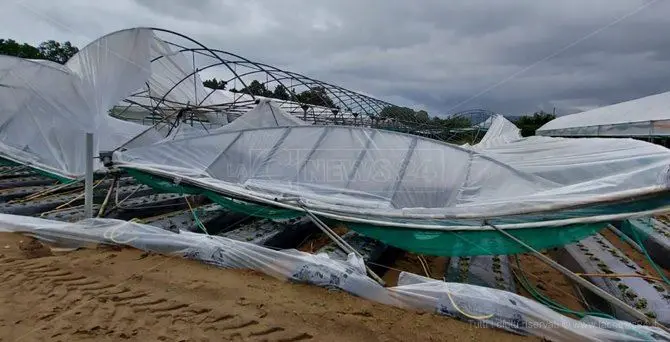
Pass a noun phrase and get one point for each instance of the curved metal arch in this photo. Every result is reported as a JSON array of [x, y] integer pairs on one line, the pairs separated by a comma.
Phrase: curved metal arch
[[299, 77], [349, 93], [354, 102], [326, 89], [217, 51], [214, 55]]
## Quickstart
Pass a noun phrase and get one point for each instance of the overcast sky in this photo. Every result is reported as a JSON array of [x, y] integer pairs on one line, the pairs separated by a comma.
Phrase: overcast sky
[[512, 56]]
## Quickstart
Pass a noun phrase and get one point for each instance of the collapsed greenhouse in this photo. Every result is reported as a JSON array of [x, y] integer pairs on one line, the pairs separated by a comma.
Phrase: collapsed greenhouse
[[190, 163]]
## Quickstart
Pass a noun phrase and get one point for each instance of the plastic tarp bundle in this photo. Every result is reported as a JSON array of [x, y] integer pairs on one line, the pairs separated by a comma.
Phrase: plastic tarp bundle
[[361, 171], [490, 307], [647, 116]]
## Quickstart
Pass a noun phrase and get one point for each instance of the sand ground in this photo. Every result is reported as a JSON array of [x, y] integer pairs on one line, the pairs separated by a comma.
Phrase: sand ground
[[109, 294]]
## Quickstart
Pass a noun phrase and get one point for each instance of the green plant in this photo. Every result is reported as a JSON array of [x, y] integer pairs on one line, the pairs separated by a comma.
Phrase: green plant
[[641, 304], [630, 294]]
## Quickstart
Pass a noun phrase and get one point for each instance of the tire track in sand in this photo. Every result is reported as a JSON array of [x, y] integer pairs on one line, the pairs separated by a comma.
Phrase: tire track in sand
[[72, 304]]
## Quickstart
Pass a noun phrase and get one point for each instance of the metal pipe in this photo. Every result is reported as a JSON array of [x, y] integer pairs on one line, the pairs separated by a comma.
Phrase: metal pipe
[[341, 243], [625, 237], [581, 281], [88, 182]]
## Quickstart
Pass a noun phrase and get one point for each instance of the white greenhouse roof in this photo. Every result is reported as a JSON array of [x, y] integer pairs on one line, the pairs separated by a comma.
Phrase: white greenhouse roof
[[647, 116]]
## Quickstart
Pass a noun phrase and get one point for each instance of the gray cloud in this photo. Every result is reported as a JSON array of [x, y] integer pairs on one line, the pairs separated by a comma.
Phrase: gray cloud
[[430, 54]]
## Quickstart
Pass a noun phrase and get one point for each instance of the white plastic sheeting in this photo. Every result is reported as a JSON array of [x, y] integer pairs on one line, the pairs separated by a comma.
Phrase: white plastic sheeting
[[500, 131], [45, 112], [647, 116], [361, 171], [46, 109], [175, 83], [112, 66], [503, 309], [611, 163], [265, 114]]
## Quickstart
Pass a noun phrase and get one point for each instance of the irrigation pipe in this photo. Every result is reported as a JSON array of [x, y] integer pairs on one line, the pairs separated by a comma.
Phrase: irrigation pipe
[[525, 283], [615, 275], [649, 259], [479, 318], [195, 216], [595, 289]]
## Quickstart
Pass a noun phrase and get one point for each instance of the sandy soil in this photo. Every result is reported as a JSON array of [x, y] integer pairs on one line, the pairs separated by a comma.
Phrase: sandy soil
[[632, 253], [548, 281], [108, 295]]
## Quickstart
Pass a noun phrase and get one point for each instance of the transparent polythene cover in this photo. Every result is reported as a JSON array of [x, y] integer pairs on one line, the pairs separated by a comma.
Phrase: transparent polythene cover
[[355, 169], [47, 108]]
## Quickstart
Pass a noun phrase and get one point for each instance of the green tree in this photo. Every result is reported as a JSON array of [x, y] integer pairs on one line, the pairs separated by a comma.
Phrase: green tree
[[281, 93], [422, 116], [400, 114], [256, 88], [11, 48], [316, 96], [214, 84], [530, 123], [454, 122], [57, 52]]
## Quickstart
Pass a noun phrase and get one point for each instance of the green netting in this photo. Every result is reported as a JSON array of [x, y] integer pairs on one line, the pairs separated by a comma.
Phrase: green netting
[[642, 228], [457, 243], [59, 178], [253, 209], [476, 242], [164, 185], [5, 162], [56, 177]]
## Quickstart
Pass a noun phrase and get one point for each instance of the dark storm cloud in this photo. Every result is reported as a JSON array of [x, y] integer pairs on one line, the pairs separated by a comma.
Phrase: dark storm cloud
[[444, 56]]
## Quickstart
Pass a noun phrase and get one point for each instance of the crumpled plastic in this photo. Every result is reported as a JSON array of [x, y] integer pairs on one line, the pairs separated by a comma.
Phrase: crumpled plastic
[[490, 307]]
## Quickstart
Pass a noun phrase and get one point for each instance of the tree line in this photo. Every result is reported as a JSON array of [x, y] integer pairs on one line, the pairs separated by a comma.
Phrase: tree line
[[402, 116], [49, 50], [316, 96]]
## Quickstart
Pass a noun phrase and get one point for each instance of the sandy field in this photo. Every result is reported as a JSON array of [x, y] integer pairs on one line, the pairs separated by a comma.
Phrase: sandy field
[[109, 294]]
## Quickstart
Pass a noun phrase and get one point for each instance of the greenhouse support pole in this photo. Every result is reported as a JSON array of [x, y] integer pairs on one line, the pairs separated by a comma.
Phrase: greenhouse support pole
[[88, 182], [581, 281], [340, 243]]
